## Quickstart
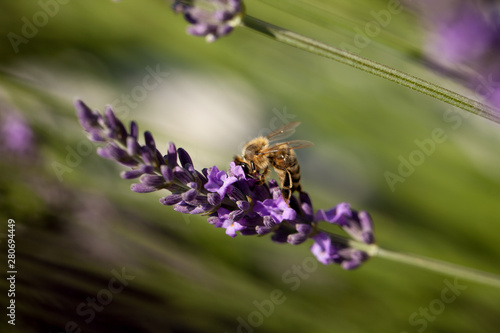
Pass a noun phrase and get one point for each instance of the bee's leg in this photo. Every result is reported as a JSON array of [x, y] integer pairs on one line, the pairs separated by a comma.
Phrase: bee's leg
[[287, 186], [263, 175]]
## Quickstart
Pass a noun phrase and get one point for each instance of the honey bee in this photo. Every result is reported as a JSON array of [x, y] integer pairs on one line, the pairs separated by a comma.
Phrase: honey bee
[[259, 154]]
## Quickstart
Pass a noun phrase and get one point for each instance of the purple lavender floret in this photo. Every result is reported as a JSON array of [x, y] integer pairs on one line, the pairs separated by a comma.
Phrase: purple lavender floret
[[210, 18], [357, 224], [229, 199], [327, 251]]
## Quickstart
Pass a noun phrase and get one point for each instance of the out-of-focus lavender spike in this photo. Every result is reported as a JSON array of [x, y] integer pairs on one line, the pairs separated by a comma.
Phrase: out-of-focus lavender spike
[[210, 18]]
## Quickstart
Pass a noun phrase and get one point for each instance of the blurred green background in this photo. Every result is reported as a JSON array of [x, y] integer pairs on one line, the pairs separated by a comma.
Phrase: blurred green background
[[78, 225]]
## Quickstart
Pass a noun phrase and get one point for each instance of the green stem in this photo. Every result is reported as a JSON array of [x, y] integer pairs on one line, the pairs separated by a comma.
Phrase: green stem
[[353, 60], [423, 262]]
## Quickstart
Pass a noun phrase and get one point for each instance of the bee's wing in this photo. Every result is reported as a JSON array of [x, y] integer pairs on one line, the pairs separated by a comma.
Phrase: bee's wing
[[295, 144], [283, 132]]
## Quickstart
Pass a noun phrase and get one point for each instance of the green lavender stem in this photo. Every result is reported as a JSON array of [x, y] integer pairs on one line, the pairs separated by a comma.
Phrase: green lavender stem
[[415, 83], [422, 262]]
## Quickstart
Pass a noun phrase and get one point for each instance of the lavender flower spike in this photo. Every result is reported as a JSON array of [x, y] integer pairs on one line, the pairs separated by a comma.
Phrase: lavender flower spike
[[230, 199], [210, 18]]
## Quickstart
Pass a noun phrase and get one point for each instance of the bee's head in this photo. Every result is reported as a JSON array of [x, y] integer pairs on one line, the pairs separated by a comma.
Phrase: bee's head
[[247, 167]]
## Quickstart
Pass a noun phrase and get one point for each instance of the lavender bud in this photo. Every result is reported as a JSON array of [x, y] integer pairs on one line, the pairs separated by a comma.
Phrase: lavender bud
[[96, 136], [171, 156], [304, 228], [243, 205], [131, 174], [88, 119], [198, 183], [134, 130], [236, 195], [262, 230], [214, 198], [175, 188], [159, 157], [268, 221], [213, 220], [366, 227], [149, 141], [200, 209], [142, 188], [117, 128], [184, 157], [182, 175], [199, 200], [153, 181], [171, 199], [133, 146], [279, 236], [354, 259], [111, 151], [147, 169], [297, 238], [147, 156], [167, 173], [236, 215], [306, 206], [183, 208], [189, 195], [248, 232]]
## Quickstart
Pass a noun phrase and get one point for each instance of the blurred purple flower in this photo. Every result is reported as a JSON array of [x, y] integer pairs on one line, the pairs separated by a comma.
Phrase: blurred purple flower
[[210, 18], [229, 199], [17, 136], [465, 41], [464, 38]]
